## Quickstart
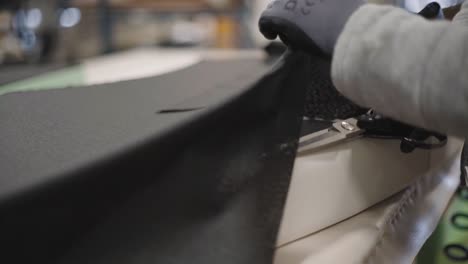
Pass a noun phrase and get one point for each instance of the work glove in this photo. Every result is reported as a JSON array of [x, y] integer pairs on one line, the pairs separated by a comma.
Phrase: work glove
[[307, 24], [316, 24]]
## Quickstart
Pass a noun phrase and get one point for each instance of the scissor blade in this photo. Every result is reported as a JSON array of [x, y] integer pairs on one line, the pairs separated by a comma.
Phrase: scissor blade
[[320, 139], [339, 132]]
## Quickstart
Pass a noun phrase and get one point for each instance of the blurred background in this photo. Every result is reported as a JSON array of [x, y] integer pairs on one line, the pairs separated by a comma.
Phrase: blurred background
[[66, 31]]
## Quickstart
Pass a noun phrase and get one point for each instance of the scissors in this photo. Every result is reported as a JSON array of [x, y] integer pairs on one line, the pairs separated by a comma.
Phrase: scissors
[[371, 125]]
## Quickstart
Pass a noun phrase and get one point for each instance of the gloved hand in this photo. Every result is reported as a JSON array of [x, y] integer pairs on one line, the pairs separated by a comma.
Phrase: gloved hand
[[307, 24]]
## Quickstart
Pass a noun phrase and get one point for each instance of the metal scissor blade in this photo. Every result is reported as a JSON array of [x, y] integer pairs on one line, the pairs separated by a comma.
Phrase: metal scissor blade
[[338, 132], [320, 139]]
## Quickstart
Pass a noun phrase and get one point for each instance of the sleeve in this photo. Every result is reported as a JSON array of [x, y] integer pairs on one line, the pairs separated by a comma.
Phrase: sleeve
[[462, 17], [406, 67]]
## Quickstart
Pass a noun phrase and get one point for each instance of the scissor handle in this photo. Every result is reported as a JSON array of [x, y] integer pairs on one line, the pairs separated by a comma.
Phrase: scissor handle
[[377, 126], [419, 140]]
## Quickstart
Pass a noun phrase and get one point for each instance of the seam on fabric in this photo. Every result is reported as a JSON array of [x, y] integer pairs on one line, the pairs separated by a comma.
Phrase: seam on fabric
[[414, 191], [392, 220]]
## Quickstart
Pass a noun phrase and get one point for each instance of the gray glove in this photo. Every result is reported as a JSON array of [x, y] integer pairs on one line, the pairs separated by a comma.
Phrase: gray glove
[[307, 24]]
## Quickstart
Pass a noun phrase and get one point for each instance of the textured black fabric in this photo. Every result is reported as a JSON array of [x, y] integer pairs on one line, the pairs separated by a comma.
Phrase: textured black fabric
[[68, 157], [48, 135], [221, 200], [100, 175], [323, 101]]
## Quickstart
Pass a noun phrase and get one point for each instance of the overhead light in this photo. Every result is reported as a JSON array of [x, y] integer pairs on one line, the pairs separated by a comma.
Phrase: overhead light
[[33, 18], [70, 17]]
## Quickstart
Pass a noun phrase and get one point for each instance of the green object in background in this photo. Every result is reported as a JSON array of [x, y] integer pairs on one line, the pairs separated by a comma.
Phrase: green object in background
[[71, 76], [449, 243]]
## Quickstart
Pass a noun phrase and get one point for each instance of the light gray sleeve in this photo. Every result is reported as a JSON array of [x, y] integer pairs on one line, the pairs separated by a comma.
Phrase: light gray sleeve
[[406, 67]]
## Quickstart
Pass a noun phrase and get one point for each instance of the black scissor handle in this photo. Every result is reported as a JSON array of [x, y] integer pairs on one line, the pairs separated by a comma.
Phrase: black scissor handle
[[422, 139], [378, 126]]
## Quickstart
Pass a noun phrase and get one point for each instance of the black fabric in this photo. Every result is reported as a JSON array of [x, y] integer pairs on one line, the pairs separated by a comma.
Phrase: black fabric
[[47, 136], [107, 175], [323, 101]]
